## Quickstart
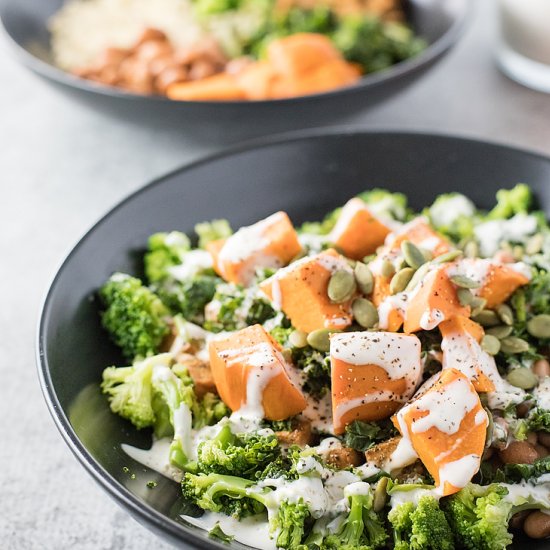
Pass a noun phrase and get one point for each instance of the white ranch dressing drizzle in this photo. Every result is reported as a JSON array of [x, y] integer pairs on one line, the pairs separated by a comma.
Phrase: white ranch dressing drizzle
[[253, 531], [542, 394], [319, 413], [458, 472], [413, 495], [193, 262], [446, 212], [156, 458]]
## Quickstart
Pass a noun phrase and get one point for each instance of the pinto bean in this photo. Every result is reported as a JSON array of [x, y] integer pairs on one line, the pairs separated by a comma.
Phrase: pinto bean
[[201, 69], [517, 520], [544, 439], [542, 368], [523, 410], [151, 35], [542, 450], [537, 525], [519, 452], [152, 49], [532, 438]]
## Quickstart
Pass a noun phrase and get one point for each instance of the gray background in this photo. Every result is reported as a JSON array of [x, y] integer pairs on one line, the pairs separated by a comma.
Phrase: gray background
[[62, 166]]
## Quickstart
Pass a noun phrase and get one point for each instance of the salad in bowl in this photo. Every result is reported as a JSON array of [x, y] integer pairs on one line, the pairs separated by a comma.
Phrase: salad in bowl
[[378, 379]]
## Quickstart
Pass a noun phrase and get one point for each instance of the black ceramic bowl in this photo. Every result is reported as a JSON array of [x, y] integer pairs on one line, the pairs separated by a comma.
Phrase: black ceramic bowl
[[306, 175], [439, 21]]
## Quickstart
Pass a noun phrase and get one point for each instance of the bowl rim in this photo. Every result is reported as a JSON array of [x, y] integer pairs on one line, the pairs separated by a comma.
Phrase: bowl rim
[[433, 52], [141, 511]]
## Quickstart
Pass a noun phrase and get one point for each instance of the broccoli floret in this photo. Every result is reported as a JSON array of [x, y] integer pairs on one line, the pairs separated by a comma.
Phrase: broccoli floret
[[189, 297], [511, 201], [538, 420], [382, 201], [421, 526], [362, 527], [229, 495], [479, 515], [316, 367], [209, 410], [453, 215], [213, 230], [237, 308], [290, 522], [166, 250], [364, 435], [135, 317], [130, 391], [239, 455]]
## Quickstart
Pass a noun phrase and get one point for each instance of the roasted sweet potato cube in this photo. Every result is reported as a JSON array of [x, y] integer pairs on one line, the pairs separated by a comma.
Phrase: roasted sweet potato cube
[[252, 375], [419, 232], [272, 242], [358, 232], [372, 373], [446, 426], [461, 350], [300, 290]]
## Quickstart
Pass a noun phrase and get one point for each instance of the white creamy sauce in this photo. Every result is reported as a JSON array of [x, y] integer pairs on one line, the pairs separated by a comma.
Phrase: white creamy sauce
[[446, 407], [253, 531], [447, 212], [430, 243], [320, 414], [314, 243], [193, 262], [156, 458], [459, 472], [403, 455], [539, 490], [431, 319], [477, 269], [412, 495], [542, 394], [357, 488], [491, 233]]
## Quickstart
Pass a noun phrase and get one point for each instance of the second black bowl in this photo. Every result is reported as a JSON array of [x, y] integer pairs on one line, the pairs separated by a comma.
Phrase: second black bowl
[[438, 21]]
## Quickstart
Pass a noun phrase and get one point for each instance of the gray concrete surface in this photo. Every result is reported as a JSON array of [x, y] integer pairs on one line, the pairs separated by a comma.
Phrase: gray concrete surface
[[62, 166]]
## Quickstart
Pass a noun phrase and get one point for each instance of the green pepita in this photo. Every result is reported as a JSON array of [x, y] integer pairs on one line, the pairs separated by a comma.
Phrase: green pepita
[[512, 344], [518, 252], [534, 244], [387, 269], [412, 254], [364, 278], [418, 276], [490, 344], [471, 249], [477, 304], [365, 312], [506, 314], [464, 282], [523, 378], [465, 297], [341, 286], [500, 332], [486, 318], [400, 280], [539, 326], [428, 254], [448, 257], [319, 339], [297, 339], [380, 494]]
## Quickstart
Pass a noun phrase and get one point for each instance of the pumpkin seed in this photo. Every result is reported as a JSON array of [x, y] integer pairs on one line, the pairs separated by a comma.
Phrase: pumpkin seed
[[298, 339], [368, 259], [490, 344], [500, 332], [464, 282], [387, 269], [365, 312], [418, 276], [351, 262], [448, 257], [490, 428], [523, 378], [319, 339], [518, 252], [364, 278], [341, 286], [477, 304], [400, 280], [471, 249], [539, 326], [512, 344], [412, 254], [506, 314], [380, 494], [465, 297], [486, 318], [428, 254], [534, 244]]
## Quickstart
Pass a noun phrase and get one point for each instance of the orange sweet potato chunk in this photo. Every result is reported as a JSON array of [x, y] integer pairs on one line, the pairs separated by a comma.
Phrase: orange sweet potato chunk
[[500, 283], [446, 426], [271, 242], [250, 372], [419, 232], [434, 300], [220, 87], [300, 291], [372, 373], [460, 345], [358, 232]]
